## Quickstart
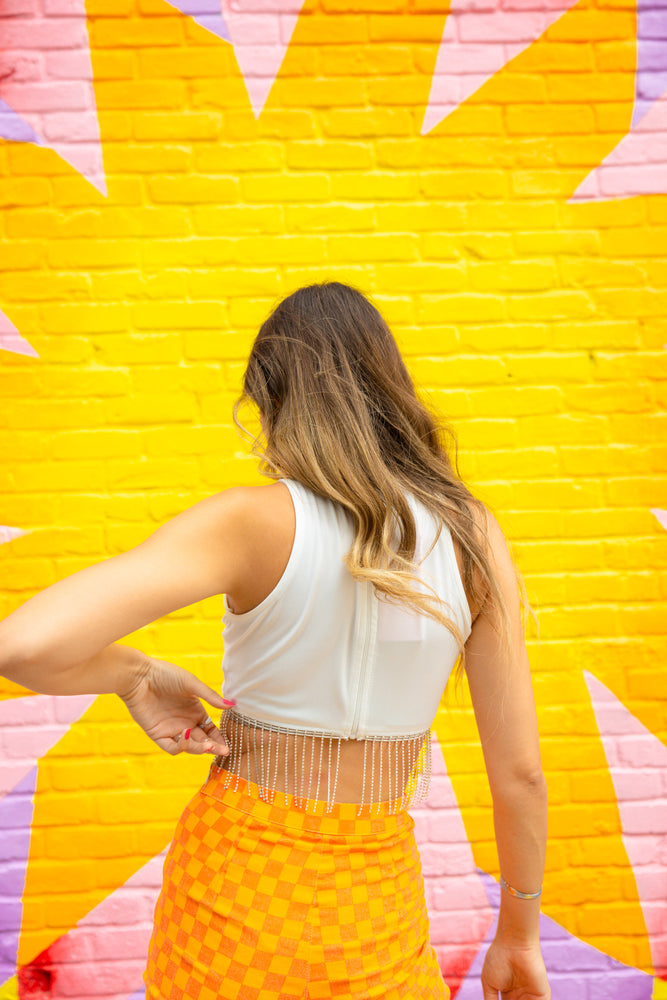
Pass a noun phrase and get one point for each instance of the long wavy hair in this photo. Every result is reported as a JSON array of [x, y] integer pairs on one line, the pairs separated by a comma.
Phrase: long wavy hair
[[340, 414]]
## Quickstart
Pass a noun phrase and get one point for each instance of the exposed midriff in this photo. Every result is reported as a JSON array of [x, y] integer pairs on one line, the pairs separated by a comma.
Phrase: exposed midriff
[[314, 766]]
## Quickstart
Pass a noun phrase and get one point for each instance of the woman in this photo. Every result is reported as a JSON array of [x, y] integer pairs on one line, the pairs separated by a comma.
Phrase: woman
[[353, 584]]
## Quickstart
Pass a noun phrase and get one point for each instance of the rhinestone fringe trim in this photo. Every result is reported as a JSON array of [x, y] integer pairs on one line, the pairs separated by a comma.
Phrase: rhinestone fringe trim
[[395, 770]]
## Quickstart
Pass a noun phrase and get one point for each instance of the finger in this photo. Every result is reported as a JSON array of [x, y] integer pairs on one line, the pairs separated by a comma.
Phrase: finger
[[169, 744], [207, 724], [175, 745], [203, 690], [209, 739], [196, 740], [212, 731], [214, 739], [200, 744]]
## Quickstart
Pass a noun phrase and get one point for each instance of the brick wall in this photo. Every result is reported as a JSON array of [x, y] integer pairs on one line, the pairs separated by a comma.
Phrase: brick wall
[[495, 177]]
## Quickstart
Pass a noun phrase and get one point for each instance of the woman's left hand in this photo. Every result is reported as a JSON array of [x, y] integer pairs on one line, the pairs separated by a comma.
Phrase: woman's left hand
[[163, 699]]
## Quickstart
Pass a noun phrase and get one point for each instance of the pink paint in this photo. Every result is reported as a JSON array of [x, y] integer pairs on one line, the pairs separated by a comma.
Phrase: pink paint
[[637, 752], [477, 43], [11, 339], [8, 534], [636, 166], [661, 516], [260, 32], [105, 954], [45, 70], [29, 727], [459, 910]]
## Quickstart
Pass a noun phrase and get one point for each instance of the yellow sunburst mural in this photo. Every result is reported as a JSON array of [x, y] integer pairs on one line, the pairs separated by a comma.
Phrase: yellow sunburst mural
[[169, 171]]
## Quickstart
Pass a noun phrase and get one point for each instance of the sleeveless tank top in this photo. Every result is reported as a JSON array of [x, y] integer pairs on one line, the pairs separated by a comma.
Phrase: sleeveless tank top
[[323, 661]]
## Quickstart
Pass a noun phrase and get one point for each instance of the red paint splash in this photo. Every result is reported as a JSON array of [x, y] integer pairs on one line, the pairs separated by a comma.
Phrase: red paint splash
[[38, 978]]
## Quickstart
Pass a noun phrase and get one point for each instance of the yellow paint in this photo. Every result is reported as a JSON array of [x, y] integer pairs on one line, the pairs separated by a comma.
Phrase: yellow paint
[[8, 690], [10, 989], [659, 989], [535, 325]]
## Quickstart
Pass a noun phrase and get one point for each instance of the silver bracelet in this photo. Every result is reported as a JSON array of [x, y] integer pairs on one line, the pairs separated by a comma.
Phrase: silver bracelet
[[515, 892]]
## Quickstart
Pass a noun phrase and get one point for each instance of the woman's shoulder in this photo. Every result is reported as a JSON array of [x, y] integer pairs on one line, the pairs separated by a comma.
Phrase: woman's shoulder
[[263, 521], [250, 508]]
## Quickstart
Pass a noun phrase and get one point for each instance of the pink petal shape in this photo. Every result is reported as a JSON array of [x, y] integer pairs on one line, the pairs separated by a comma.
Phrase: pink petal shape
[[46, 79], [636, 166], [638, 766], [105, 954], [11, 339], [29, 727], [477, 43], [661, 516], [458, 905], [260, 31], [8, 534]]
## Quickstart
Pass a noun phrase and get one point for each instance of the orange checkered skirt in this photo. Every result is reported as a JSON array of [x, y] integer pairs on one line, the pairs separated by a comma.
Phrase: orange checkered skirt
[[263, 899]]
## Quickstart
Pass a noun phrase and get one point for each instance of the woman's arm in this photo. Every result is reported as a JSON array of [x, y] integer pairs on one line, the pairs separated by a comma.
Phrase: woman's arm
[[504, 706], [63, 640]]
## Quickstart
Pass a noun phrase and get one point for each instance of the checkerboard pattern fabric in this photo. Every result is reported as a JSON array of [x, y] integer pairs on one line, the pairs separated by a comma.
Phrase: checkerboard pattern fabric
[[262, 900]]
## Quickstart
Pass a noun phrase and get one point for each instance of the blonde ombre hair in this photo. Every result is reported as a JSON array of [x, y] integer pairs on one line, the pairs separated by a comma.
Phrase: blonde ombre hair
[[340, 414]]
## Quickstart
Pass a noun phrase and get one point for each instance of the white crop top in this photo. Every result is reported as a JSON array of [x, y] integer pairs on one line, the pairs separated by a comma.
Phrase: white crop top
[[323, 654]]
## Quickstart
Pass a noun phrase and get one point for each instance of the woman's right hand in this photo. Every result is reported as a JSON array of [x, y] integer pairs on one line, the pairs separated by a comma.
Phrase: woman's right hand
[[164, 699], [518, 973]]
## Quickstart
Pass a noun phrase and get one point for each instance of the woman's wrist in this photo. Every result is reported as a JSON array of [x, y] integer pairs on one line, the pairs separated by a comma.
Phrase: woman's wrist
[[114, 670], [129, 669], [518, 921], [511, 945]]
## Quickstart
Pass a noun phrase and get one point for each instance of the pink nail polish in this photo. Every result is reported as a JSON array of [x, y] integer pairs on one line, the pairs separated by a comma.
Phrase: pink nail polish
[[228, 702], [187, 733]]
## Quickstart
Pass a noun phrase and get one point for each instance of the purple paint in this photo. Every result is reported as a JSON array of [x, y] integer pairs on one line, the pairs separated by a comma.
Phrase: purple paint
[[16, 811], [651, 76], [15, 128], [194, 7], [30, 726], [654, 24], [10, 919], [603, 978], [206, 13]]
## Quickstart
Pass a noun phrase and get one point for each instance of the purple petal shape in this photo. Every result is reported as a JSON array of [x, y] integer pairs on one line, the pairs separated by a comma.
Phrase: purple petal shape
[[16, 128], [206, 13], [651, 75], [576, 970], [16, 811]]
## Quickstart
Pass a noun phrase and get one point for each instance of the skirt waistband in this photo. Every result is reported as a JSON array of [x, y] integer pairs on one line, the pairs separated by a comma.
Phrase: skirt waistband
[[338, 819]]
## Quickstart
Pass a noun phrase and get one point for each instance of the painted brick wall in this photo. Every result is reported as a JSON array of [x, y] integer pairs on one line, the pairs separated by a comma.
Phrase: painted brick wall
[[495, 176]]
